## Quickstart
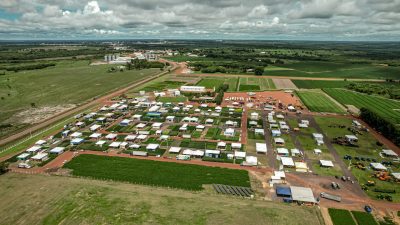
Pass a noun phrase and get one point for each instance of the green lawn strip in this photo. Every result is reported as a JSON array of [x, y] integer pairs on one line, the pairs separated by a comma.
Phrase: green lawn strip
[[317, 101], [248, 87], [364, 218], [341, 217], [211, 82], [386, 108], [175, 175], [172, 99]]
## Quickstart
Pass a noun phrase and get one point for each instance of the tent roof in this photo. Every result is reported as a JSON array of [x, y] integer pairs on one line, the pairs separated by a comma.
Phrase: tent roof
[[287, 161], [283, 190], [327, 163], [302, 194]]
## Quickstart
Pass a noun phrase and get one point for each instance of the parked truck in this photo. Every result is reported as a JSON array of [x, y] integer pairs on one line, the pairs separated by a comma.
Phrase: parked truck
[[331, 197]]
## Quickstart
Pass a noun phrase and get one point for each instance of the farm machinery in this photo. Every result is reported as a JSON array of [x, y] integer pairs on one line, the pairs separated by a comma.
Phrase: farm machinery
[[343, 141], [382, 175]]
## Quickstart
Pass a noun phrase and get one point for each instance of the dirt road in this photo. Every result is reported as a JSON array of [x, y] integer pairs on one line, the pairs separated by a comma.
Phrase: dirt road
[[58, 117]]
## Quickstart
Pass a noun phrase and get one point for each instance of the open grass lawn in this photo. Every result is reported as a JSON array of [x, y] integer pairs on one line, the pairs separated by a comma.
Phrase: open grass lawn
[[175, 175], [211, 82], [341, 217], [336, 70], [364, 218], [65, 200], [317, 101], [69, 82], [249, 87], [386, 108], [255, 84]]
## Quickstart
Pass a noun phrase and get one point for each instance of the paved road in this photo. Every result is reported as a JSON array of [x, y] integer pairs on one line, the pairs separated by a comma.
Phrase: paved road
[[58, 117]]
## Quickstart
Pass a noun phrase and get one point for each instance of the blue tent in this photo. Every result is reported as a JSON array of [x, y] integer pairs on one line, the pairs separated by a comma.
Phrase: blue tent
[[283, 191]]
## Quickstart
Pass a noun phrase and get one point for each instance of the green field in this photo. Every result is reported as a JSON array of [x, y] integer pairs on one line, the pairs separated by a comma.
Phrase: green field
[[249, 87], [318, 84], [175, 175], [341, 217], [52, 200], [317, 101], [69, 82], [364, 218], [215, 82], [255, 84], [389, 109], [172, 99], [336, 70]]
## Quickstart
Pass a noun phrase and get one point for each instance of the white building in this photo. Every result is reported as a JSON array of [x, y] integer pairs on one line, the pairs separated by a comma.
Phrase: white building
[[193, 89]]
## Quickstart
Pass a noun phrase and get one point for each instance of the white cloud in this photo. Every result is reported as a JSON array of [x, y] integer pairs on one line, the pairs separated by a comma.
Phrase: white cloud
[[258, 12], [332, 18], [91, 8]]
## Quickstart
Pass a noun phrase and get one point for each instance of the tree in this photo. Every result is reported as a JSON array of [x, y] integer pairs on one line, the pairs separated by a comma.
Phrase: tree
[[3, 167], [33, 105], [259, 71]]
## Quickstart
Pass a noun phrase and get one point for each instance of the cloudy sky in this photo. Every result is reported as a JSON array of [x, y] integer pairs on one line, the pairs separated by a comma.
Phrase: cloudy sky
[[201, 19]]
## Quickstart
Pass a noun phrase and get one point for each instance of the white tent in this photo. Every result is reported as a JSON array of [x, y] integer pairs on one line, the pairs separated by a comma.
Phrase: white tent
[[94, 127], [287, 161], [326, 163], [378, 166], [95, 135], [302, 194], [261, 148], [174, 150], [57, 150]]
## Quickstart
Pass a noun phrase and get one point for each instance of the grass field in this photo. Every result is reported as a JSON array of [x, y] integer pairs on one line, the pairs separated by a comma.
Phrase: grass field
[[335, 70], [341, 217], [69, 82], [190, 177], [64, 200], [211, 82], [172, 99], [364, 218], [317, 101], [386, 108], [255, 84], [318, 84]]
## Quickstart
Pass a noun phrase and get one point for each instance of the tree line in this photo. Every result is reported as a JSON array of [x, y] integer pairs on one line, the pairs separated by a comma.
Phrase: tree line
[[388, 129], [138, 64], [27, 67], [389, 91]]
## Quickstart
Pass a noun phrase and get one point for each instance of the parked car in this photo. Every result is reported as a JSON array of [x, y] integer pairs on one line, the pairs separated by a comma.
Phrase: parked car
[[367, 208]]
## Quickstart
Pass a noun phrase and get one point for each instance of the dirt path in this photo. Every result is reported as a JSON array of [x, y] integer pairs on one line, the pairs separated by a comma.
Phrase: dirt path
[[68, 156], [278, 77], [58, 117], [325, 215], [284, 83]]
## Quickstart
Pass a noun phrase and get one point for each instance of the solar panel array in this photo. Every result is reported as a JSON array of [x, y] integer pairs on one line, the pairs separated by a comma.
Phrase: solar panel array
[[233, 190]]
